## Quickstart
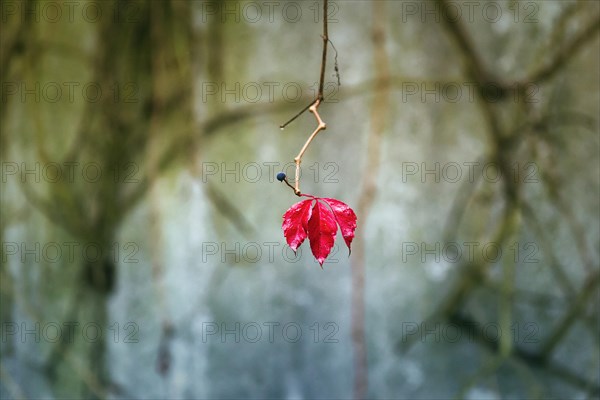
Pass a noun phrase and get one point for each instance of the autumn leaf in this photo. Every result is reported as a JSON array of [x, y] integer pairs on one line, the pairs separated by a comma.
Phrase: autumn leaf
[[345, 217], [321, 231], [295, 221], [319, 224]]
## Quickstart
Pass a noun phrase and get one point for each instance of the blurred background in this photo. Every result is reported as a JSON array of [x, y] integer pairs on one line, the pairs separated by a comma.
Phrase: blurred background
[[142, 250]]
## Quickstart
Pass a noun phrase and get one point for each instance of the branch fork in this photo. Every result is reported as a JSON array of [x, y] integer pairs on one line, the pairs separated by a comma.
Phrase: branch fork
[[314, 108]]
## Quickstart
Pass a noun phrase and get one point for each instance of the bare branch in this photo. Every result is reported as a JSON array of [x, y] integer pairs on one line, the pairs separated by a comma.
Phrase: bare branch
[[320, 127], [282, 126], [313, 107], [325, 37], [565, 53]]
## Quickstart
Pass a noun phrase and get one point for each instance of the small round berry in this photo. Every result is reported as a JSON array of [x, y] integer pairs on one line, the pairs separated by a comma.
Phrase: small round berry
[[280, 176]]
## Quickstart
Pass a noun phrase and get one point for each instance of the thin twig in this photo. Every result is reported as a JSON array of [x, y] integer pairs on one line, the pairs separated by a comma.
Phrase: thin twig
[[313, 107], [325, 37], [320, 127], [282, 126], [320, 95], [335, 63], [289, 185]]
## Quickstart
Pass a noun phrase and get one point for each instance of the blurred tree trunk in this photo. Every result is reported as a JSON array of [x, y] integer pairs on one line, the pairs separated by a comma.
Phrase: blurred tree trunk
[[144, 55]]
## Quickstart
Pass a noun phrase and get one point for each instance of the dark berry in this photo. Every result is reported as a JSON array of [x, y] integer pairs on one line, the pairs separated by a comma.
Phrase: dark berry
[[280, 176]]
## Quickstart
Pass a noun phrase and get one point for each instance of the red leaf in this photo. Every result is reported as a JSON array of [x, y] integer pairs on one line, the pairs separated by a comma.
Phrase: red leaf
[[319, 224], [345, 217], [321, 231], [295, 221]]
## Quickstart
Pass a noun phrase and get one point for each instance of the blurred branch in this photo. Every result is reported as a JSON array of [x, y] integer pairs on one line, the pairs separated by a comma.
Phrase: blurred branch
[[559, 274], [559, 30], [476, 70], [532, 359], [158, 102], [11, 385], [13, 40], [54, 211], [460, 203], [577, 307], [546, 301], [558, 271], [226, 118], [230, 211], [61, 348], [488, 369], [472, 275], [473, 62], [577, 230], [380, 109], [540, 126], [504, 143], [565, 53], [108, 132], [540, 300]]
